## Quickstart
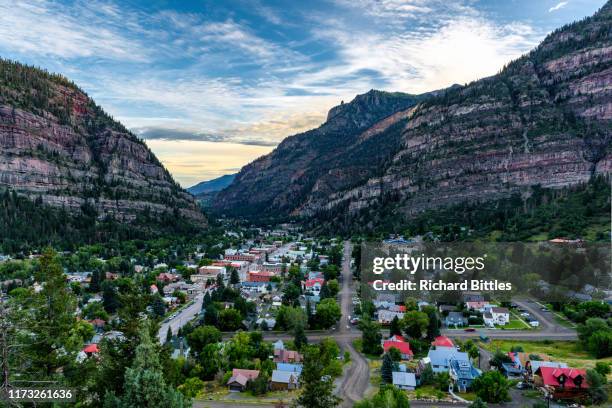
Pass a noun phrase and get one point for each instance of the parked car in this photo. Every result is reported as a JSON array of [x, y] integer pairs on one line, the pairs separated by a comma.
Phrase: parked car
[[469, 329]]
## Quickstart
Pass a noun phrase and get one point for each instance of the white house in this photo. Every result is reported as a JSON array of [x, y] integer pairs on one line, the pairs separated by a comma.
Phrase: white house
[[497, 316], [404, 381]]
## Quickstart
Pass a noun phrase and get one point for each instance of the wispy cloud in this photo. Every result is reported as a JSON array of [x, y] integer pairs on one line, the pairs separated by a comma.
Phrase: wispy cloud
[[558, 6], [47, 28]]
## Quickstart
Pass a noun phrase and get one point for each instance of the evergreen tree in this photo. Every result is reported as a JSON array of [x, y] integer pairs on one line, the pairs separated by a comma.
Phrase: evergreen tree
[[234, 277], [386, 371], [395, 328], [144, 381], [317, 390], [300, 338], [169, 334], [371, 337]]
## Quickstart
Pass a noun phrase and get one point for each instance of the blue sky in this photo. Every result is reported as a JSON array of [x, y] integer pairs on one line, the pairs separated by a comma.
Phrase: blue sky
[[211, 85]]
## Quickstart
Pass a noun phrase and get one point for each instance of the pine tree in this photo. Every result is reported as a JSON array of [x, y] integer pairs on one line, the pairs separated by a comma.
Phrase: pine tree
[[144, 381], [386, 371], [395, 328], [300, 338], [169, 334], [317, 390]]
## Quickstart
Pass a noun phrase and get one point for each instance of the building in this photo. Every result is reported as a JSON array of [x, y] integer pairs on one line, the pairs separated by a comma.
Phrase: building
[[260, 276], [496, 316], [442, 341], [479, 306], [462, 374], [279, 345], [386, 316], [294, 368], [313, 285], [440, 358], [284, 380], [565, 383], [211, 271], [404, 380], [455, 319], [402, 346], [240, 379], [242, 257], [287, 356]]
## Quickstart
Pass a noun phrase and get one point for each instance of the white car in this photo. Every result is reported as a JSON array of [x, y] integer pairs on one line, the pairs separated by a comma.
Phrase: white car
[[534, 323]]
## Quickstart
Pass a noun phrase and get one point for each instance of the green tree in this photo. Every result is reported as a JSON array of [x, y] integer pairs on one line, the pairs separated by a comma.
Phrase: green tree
[[328, 313], [317, 391], [230, 319], [478, 403], [387, 396], [491, 387], [370, 337], [602, 367], [597, 387], [386, 370], [234, 277], [299, 337], [110, 297], [191, 387], [433, 328], [395, 327], [202, 336], [415, 324], [144, 381]]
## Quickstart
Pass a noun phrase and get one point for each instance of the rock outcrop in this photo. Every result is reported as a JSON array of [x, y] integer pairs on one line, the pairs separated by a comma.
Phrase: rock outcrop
[[58, 146]]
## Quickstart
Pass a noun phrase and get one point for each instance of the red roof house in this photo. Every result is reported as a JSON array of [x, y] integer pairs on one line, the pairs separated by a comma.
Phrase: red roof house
[[442, 341], [91, 349], [567, 383], [402, 346]]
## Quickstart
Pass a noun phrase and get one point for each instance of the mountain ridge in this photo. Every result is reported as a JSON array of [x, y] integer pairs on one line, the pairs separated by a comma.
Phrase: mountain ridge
[[543, 120], [60, 148]]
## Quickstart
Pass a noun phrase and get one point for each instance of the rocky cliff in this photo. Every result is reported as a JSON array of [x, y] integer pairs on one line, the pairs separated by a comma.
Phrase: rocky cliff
[[544, 120], [58, 147]]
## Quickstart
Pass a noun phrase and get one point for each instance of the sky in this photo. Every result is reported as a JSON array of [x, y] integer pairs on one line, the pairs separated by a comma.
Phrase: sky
[[212, 85]]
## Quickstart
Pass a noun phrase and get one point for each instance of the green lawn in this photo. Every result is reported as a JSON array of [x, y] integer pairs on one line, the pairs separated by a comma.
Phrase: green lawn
[[427, 392], [570, 352]]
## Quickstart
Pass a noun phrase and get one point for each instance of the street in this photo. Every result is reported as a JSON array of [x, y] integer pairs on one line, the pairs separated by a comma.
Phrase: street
[[184, 316]]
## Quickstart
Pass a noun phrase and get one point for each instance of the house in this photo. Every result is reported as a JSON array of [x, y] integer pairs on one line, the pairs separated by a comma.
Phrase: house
[[441, 357], [496, 316], [284, 380], [91, 349], [313, 285], [534, 366], [240, 378], [167, 277], [294, 368], [455, 319], [401, 346], [479, 306], [260, 276], [565, 383], [287, 356], [462, 374], [386, 316], [404, 381], [472, 297], [98, 324], [442, 341], [279, 345]]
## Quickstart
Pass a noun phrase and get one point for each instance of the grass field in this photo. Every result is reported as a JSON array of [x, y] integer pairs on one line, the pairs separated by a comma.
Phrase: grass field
[[570, 352]]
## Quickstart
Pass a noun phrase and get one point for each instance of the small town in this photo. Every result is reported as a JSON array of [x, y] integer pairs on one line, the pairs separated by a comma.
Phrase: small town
[[236, 322]]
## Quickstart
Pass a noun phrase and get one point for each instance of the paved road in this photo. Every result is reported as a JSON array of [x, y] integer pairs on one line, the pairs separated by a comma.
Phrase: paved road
[[356, 378], [231, 404], [185, 316]]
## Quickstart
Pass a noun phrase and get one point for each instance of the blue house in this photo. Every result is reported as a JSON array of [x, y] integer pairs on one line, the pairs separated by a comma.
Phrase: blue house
[[455, 319], [462, 374], [440, 358]]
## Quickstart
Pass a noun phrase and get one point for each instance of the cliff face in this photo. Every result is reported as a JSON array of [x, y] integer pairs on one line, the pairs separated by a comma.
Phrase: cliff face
[[545, 119], [57, 145], [304, 169]]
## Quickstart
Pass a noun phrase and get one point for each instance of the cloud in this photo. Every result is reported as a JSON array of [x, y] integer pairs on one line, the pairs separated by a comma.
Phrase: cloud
[[559, 6], [168, 134], [90, 29]]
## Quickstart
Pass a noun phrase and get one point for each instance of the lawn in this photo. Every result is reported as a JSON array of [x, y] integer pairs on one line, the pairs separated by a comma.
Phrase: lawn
[[427, 392], [570, 352], [515, 324]]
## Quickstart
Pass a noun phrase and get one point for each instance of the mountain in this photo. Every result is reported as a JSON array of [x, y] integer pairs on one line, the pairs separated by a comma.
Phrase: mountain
[[542, 122], [352, 145], [61, 150], [212, 186]]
